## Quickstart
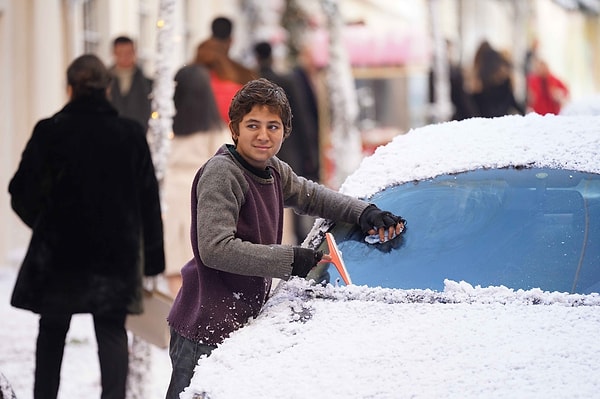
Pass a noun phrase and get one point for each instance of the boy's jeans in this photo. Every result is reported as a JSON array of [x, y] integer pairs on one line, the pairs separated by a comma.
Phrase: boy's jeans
[[184, 358]]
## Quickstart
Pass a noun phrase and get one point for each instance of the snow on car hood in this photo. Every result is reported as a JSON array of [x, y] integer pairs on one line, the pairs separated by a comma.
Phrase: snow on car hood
[[362, 342], [570, 142]]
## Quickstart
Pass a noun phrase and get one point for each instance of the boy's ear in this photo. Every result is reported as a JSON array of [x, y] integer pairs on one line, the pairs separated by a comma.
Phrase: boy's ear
[[234, 135]]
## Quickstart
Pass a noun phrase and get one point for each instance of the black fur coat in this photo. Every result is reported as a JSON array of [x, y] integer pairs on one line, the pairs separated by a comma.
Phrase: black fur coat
[[86, 187]]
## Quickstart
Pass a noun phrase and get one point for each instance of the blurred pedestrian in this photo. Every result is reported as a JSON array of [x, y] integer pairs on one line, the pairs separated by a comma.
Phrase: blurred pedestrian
[[463, 107], [546, 93], [130, 90], [198, 131], [87, 189], [298, 149], [237, 209], [530, 55], [227, 76], [491, 85], [305, 74]]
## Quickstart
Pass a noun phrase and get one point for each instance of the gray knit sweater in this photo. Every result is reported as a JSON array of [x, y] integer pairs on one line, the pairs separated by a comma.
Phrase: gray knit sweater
[[238, 216]]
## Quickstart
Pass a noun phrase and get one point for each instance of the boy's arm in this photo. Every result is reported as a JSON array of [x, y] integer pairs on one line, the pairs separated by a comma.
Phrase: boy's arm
[[310, 198], [221, 190], [318, 200]]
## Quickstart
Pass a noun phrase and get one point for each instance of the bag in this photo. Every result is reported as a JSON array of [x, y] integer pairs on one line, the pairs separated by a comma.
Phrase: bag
[[152, 325]]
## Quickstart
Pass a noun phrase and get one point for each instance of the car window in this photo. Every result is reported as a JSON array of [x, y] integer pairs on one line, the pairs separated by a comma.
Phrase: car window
[[521, 228]]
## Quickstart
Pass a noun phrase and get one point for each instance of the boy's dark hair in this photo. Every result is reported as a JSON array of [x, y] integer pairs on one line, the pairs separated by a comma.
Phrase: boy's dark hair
[[260, 92], [88, 76], [122, 40], [221, 28]]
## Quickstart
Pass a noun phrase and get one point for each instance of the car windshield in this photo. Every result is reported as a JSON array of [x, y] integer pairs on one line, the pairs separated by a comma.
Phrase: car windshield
[[517, 227]]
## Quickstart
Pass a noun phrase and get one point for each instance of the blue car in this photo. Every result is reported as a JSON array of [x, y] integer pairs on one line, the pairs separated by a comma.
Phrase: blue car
[[517, 208], [522, 227], [492, 290]]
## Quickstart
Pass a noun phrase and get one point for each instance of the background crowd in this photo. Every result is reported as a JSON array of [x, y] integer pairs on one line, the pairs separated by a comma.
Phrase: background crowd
[[204, 88], [486, 88]]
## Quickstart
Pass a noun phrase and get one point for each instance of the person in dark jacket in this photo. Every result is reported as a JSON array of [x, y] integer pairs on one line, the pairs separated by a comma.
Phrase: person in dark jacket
[[130, 90], [86, 187], [300, 149], [237, 205], [460, 99], [491, 87]]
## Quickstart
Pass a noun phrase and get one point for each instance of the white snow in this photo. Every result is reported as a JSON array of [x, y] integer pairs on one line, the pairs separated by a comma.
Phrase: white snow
[[359, 342], [569, 141], [80, 370], [382, 344]]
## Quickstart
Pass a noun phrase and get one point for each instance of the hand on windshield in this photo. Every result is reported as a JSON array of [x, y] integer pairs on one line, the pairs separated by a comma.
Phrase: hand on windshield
[[375, 221]]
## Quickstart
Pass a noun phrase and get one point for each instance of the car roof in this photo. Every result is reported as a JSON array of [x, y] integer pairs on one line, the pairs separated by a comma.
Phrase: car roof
[[563, 142]]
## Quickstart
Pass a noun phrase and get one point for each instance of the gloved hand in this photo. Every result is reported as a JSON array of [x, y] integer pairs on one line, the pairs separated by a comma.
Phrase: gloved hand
[[373, 219], [304, 260]]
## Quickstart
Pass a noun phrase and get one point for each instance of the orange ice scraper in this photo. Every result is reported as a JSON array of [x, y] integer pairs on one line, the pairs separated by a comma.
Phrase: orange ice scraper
[[336, 258]]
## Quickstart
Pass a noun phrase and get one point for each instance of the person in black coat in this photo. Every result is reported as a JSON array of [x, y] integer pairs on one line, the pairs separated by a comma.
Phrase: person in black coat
[[492, 88], [86, 187]]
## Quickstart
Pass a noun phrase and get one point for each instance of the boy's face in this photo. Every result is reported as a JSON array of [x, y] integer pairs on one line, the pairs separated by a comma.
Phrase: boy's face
[[260, 136]]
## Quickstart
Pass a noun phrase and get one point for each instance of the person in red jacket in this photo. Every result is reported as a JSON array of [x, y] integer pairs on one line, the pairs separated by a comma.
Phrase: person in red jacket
[[547, 93], [226, 75]]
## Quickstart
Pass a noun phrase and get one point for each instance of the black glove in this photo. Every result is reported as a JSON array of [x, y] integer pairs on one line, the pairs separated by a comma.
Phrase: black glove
[[374, 218], [304, 260]]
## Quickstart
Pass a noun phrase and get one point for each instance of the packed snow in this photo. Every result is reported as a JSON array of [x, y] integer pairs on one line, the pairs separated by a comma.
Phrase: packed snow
[[355, 342], [361, 342], [570, 142]]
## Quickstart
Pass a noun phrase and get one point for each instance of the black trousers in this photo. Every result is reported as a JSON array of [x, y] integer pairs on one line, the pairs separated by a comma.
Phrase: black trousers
[[113, 354]]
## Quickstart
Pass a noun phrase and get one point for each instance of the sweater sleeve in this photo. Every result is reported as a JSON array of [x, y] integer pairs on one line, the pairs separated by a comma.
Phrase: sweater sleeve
[[220, 190], [310, 198]]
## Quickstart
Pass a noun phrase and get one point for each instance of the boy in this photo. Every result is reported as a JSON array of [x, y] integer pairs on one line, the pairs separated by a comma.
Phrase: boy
[[238, 198]]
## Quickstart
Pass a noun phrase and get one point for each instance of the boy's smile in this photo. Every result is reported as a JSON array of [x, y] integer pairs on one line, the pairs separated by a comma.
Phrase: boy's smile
[[260, 136]]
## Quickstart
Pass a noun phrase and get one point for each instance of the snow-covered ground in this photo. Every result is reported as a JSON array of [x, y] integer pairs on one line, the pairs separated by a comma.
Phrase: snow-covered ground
[[80, 370]]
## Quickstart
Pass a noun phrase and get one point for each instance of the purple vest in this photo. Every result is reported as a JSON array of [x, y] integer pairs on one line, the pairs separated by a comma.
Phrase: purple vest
[[211, 304]]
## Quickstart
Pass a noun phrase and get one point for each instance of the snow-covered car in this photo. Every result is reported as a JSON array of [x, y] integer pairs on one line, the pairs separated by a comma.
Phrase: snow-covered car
[[491, 291]]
